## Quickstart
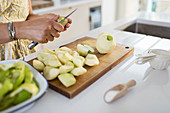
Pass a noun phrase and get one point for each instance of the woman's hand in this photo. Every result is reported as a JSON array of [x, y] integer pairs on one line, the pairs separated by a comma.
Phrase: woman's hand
[[39, 29], [49, 16]]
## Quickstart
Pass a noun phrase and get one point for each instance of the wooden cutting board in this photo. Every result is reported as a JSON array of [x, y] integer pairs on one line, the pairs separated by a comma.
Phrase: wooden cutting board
[[107, 62]]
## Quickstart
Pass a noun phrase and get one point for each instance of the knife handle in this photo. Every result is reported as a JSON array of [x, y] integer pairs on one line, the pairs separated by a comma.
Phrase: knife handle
[[32, 45]]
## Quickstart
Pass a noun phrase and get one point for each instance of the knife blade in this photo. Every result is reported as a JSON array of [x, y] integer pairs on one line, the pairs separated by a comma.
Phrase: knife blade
[[33, 43]]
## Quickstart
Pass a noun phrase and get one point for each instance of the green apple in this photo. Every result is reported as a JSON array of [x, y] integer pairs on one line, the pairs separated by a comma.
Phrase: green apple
[[64, 22], [6, 87], [30, 87], [105, 43], [22, 96]]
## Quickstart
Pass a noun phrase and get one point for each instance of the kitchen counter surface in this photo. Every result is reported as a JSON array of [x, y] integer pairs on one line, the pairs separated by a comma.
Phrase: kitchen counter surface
[[150, 95], [61, 4]]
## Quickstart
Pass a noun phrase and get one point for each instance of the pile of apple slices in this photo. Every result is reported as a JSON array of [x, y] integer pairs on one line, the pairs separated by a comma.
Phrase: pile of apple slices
[[65, 63]]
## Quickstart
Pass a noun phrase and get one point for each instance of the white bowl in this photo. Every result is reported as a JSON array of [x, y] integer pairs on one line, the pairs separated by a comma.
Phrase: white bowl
[[162, 59], [42, 83]]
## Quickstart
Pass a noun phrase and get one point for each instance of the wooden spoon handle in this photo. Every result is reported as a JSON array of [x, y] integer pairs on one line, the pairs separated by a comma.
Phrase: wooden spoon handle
[[131, 83]]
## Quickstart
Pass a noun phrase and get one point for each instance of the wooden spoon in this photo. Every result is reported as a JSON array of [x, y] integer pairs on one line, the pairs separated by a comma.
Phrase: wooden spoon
[[121, 90]]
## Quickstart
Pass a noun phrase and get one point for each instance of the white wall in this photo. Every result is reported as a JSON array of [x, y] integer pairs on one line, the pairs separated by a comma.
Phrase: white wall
[[126, 8], [108, 11], [163, 6]]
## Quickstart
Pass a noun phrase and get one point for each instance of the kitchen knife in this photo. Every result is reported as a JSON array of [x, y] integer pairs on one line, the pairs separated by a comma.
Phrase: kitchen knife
[[33, 44]]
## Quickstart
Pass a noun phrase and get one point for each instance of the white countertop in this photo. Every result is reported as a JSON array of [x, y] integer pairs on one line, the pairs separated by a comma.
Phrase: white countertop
[[150, 95], [154, 18], [59, 4]]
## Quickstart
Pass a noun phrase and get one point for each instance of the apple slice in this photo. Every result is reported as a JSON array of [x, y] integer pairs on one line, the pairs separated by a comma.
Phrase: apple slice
[[67, 79], [91, 50], [83, 50], [75, 54], [66, 68], [52, 60], [78, 71], [91, 60], [50, 73], [38, 65], [42, 56], [78, 61], [64, 57], [49, 51], [66, 49]]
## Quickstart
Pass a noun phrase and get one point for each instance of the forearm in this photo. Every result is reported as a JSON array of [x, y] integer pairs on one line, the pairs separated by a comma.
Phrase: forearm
[[32, 16], [4, 37]]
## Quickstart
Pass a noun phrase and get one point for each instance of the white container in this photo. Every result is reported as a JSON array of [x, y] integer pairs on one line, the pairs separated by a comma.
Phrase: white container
[[162, 59], [42, 83]]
